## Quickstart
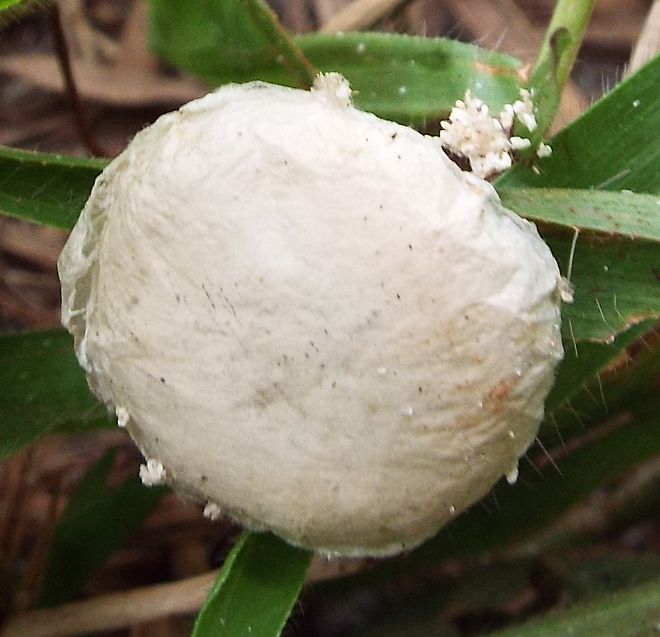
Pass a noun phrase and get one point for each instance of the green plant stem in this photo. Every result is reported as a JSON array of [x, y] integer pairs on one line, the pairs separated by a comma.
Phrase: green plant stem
[[555, 61], [572, 15], [284, 45]]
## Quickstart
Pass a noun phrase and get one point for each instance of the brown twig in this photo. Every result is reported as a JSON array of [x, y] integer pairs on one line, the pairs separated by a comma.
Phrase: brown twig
[[10, 515], [120, 610], [64, 60], [113, 611], [26, 595], [359, 14], [11, 472], [648, 43]]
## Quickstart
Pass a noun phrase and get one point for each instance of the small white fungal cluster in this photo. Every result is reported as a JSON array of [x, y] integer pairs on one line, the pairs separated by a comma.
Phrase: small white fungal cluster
[[212, 511], [486, 141], [153, 473], [122, 417], [565, 289], [333, 87]]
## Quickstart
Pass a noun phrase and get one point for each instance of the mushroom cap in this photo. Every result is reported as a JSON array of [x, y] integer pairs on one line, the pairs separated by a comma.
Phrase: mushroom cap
[[310, 319]]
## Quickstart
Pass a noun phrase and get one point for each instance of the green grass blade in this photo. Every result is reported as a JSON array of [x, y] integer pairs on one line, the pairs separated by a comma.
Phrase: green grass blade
[[615, 262], [609, 392], [96, 522], [45, 189], [43, 390], [582, 360], [615, 145], [409, 79], [6, 5], [555, 61], [12, 10], [614, 214], [255, 590], [631, 613], [414, 80], [616, 286]]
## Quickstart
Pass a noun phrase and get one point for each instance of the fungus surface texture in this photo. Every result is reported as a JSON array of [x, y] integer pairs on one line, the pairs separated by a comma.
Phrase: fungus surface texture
[[309, 319]]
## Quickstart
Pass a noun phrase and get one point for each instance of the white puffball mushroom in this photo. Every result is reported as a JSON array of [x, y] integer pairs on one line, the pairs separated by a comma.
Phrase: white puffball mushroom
[[309, 319]]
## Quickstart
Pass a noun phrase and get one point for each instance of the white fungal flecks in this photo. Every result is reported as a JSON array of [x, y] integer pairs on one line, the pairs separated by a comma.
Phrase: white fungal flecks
[[473, 133], [122, 416], [512, 474], [520, 143], [407, 411], [382, 371], [544, 150], [565, 289], [334, 87], [152, 473], [524, 110], [212, 511], [485, 140]]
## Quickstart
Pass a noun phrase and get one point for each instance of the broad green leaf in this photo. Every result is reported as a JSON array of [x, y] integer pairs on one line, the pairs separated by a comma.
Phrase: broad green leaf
[[43, 390], [8, 4], [412, 79], [409, 79], [616, 260], [45, 189], [14, 9], [97, 521], [614, 389], [611, 214], [584, 359], [255, 590], [616, 286], [185, 34], [631, 613], [615, 145]]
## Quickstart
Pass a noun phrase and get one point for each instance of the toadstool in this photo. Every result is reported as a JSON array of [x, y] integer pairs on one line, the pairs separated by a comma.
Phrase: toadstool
[[309, 319]]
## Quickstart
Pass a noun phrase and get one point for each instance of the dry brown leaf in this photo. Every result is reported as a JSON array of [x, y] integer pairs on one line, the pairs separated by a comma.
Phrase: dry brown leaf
[[117, 86]]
